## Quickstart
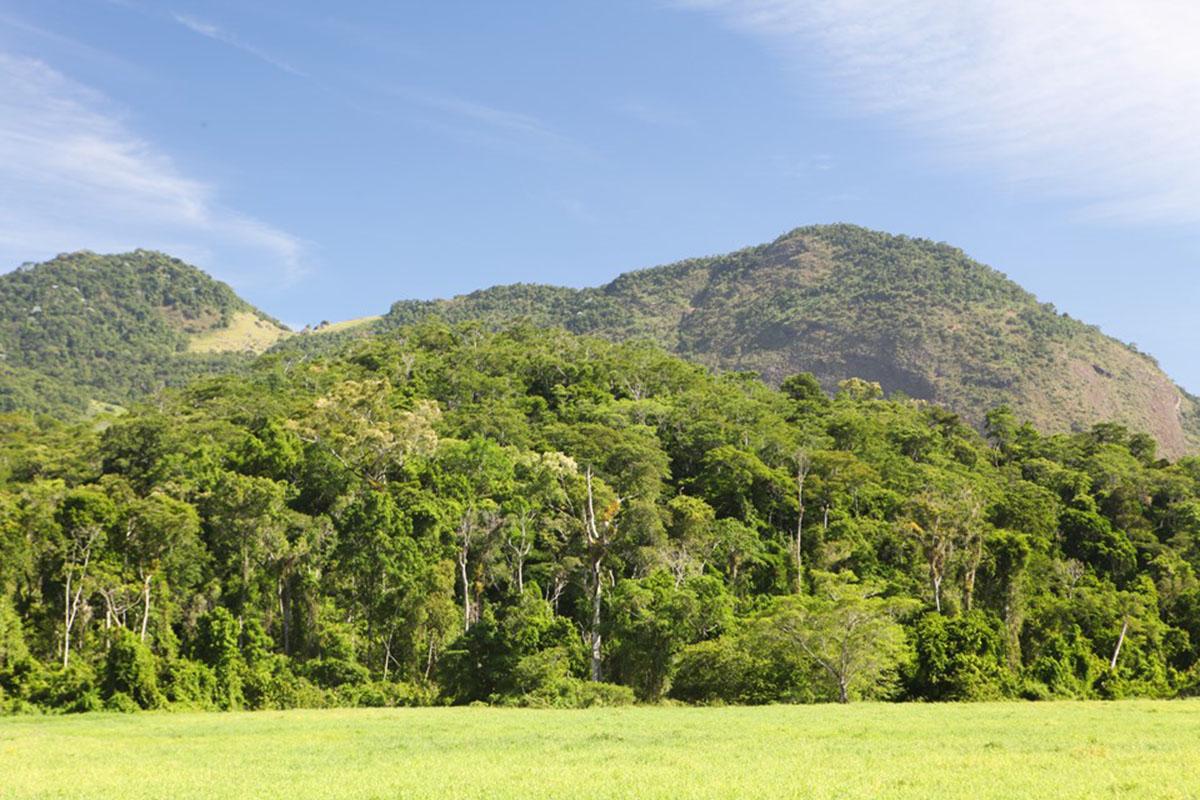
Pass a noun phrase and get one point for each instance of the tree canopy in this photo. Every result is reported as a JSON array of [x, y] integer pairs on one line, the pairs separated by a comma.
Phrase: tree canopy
[[527, 516]]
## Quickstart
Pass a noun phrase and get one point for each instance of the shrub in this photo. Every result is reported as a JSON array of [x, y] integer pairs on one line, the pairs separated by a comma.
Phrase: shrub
[[217, 646], [1066, 665], [72, 689], [22, 678], [283, 689], [751, 667], [961, 658], [189, 683], [335, 672], [387, 694], [121, 702], [130, 669], [589, 694]]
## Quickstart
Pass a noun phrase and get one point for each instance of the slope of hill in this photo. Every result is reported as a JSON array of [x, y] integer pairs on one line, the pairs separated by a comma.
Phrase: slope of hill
[[841, 301], [85, 327]]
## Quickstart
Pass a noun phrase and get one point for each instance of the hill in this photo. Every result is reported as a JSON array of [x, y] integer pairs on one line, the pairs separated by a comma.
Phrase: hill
[[841, 301], [83, 328]]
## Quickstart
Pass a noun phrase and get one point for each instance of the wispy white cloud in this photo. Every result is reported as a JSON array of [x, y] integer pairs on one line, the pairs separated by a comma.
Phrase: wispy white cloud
[[73, 175], [820, 162], [225, 37], [656, 113], [486, 124], [1094, 99]]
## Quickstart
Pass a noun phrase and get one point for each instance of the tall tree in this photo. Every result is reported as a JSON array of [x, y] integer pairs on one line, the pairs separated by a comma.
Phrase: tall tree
[[849, 629], [358, 423], [84, 516]]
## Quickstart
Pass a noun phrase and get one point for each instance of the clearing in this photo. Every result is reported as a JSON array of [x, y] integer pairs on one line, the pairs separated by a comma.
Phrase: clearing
[[246, 332], [1143, 749]]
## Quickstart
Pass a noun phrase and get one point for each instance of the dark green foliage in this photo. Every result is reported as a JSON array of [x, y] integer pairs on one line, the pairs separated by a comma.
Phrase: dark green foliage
[[960, 658], [72, 690], [653, 619], [447, 514], [1066, 666], [1091, 538], [190, 684], [217, 647], [751, 667], [531, 656], [131, 670]]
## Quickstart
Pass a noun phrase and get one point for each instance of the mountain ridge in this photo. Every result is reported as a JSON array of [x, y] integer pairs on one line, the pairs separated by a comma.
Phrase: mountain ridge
[[840, 301]]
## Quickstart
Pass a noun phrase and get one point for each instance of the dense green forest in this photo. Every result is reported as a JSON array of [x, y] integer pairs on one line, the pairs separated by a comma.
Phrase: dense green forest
[[531, 517], [85, 329]]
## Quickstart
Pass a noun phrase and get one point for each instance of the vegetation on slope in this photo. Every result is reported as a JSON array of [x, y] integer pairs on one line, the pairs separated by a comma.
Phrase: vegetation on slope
[[840, 301], [111, 328], [530, 517]]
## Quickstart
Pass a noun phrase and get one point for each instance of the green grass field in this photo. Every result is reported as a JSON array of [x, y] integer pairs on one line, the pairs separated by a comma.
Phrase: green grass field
[[1139, 749]]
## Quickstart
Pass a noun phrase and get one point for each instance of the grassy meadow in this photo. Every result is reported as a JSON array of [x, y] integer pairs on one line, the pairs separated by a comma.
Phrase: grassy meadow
[[246, 332], [1143, 749]]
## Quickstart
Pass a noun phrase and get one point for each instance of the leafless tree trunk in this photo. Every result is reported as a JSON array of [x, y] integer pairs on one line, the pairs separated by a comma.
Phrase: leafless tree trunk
[[592, 534], [429, 657], [598, 536], [972, 570], [387, 650], [468, 531], [803, 465], [145, 603], [71, 602], [463, 554], [285, 613], [972, 536], [521, 549], [939, 546], [597, 591], [1120, 641], [557, 585]]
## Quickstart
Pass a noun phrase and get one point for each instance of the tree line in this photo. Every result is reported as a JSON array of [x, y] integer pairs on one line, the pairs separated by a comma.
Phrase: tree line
[[529, 517]]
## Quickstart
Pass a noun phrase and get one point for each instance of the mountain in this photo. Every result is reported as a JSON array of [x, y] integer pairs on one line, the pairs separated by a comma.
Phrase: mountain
[[841, 301], [84, 331]]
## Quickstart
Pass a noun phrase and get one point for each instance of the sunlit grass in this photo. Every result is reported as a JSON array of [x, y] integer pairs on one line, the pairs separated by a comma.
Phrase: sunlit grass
[[347, 324], [1141, 749], [246, 332]]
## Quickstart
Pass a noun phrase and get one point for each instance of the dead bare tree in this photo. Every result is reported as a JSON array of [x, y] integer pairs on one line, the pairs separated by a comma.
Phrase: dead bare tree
[[803, 467], [474, 527], [599, 532]]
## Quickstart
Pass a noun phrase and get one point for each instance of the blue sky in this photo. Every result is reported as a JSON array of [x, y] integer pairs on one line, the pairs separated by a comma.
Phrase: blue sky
[[327, 159]]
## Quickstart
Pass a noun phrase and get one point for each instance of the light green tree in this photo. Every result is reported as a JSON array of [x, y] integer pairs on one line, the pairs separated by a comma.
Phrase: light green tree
[[849, 629]]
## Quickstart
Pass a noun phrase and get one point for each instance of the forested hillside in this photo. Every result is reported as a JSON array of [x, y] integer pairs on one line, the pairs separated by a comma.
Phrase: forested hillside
[[85, 329], [532, 517], [841, 301]]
